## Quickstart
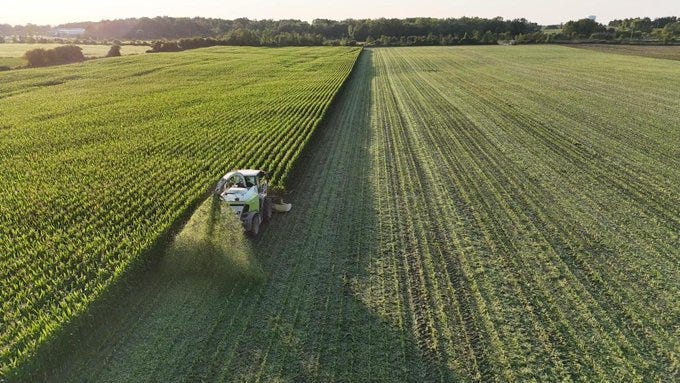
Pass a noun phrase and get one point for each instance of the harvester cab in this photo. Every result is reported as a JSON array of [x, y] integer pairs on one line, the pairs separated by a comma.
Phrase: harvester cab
[[245, 191]]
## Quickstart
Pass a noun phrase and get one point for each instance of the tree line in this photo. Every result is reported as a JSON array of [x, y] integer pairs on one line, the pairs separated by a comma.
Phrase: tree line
[[65, 54], [280, 32], [665, 29], [178, 33]]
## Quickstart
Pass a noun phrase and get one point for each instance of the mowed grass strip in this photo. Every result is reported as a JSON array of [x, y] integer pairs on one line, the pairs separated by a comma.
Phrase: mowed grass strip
[[100, 158]]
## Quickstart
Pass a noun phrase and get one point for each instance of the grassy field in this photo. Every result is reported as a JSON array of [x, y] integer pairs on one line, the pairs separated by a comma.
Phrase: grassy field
[[656, 51], [118, 150], [465, 214], [18, 49], [12, 61], [10, 53]]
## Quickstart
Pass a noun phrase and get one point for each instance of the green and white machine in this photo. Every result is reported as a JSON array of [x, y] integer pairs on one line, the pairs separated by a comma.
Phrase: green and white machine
[[246, 193]]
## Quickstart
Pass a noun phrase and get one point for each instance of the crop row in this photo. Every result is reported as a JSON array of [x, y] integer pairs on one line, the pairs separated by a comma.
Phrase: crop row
[[104, 160], [532, 230]]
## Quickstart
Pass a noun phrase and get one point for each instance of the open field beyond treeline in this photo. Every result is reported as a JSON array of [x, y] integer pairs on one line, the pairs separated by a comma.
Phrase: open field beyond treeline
[[670, 52], [462, 214], [11, 53]]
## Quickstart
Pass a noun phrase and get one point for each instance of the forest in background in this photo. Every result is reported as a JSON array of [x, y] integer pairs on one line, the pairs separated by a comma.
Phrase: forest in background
[[372, 32]]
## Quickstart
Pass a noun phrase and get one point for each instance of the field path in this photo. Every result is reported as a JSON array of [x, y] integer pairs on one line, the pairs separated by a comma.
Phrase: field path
[[465, 214]]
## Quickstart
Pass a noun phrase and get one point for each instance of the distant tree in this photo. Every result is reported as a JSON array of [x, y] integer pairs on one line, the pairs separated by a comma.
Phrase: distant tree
[[60, 55], [661, 22], [639, 27], [65, 54], [643, 24], [6, 30], [522, 26], [114, 51], [670, 32], [358, 31], [387, 41], [466, 40], [448, 40], [164, 46], [156, 46], [36, 57], [417, 31], [489, 38], [329, 28], [197, 42], [603, 36], [673, 29], [2, 40], [347, 42], [246, 37], [582, 28]]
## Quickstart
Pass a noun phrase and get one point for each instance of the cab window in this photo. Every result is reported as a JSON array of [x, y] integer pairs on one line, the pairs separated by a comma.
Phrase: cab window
[[235, 181], [251, 181]]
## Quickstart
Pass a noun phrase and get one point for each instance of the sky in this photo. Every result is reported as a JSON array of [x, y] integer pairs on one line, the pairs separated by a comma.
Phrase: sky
[[541, 11]]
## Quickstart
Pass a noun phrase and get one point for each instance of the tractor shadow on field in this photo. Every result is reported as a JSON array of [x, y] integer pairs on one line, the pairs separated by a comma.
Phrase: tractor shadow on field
[[286, 306]]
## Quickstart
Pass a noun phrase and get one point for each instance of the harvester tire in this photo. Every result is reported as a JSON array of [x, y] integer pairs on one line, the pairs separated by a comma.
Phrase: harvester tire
[[255, 226]]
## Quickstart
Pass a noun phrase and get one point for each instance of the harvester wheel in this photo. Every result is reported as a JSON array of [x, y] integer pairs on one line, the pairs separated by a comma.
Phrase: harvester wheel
[[255, 226], [267, 210]]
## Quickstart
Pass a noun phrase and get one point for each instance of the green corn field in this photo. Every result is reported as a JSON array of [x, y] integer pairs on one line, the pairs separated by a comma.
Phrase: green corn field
[[99, 159]]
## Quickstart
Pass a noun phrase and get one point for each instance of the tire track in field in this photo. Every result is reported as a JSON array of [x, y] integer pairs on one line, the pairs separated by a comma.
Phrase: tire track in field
[[409, 243], [544, 223], [495, 164], [421, 288], [593, 282], [435, 148]]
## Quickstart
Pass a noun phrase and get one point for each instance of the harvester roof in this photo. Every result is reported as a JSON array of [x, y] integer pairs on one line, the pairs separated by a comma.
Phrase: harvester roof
[[252, 172]]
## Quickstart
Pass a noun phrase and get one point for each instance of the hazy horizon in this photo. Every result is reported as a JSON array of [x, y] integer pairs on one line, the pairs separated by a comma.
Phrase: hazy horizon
[[44, 12]]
